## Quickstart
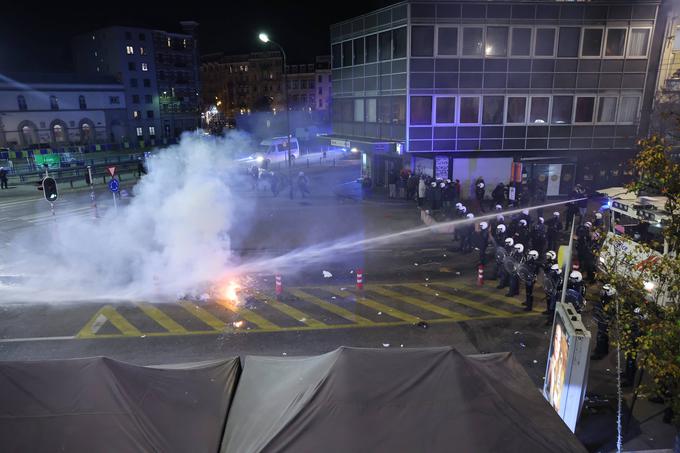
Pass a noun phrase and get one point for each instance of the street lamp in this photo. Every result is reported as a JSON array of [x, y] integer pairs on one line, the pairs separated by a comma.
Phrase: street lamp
[[265, 39]]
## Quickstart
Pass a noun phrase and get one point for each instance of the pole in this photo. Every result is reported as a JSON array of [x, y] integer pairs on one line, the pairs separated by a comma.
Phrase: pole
[[567, 261], [115, 203], [92, 196], [285, 94]]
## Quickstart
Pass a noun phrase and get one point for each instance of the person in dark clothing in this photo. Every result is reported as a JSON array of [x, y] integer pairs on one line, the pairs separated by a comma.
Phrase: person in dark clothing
[[456, 190], [584, 250], [3, 178], [303, 184], [429, 195], [583, 203], [518, 256], [482, 241], [366, 186], [498, 194], [552, 293], [538, 236], [480, 189], [411, 187], [437, 196], [467, 234], [607, 294], [521, 234], [553, 233], [534, 266], [503, 275]]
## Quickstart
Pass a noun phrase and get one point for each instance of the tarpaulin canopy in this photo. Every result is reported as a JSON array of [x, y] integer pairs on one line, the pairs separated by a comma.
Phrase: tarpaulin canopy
[[391, 400], [101, 405]]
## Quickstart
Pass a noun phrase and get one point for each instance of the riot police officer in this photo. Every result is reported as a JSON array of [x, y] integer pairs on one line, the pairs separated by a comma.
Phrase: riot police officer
[[538, 236], [584, 250], [522, 232], [498, 241], [480, 189], [607, 293], [533, 267], [482, 241], [525, 215], [554, 228], [552, 291], [576, 284], [598, 223], [548, 261], [518, 256], [503, 275], [466, 234]]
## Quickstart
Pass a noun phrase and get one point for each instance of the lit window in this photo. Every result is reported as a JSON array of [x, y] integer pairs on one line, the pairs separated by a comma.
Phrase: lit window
[[145, 67], [142, 51], [95, 53], [638, 42], [169, 42], [585, 107], [136, 114], [92, 37], [606, 111], [496, 41], [140, 132], [628, 109], [184, 43], [616, 37], [152, 131], [358, 110], [129, 50]]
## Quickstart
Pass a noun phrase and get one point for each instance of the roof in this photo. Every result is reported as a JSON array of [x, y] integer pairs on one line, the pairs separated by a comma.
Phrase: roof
[[58, 78]]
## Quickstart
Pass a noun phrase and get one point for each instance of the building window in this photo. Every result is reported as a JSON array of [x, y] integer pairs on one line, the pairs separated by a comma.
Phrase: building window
[[371, 109], [540, 109], [54, 103], [606, 111], [359, 110], [521, 42], [114, 100], [59, 133], [142, 51], [568, 43], [445, 110], [496, 42], [21, 101], [346, 53], [142, 37], [148, 98], [147, 83], [82, 104], [320, 79], [336, 56], [371, 43], [321, 104], [399, 43], [421, 109], [676, 40], [616, 39], [628, 109], [422, 41], [145, 67], [169, 42], [591, 42], [320, 90], [473, 41], [492, 112], [129, 50], [303, 84], [135, 99], [140, 132], [184, 43], [561, 110], [296, 84], [447, 41], [638, 42], [585, 108], [385, 42], [133, 83], [358, 45], [136, 114], [131, 65], [469, 110], [545, 42], [152, 131], [516, 110]]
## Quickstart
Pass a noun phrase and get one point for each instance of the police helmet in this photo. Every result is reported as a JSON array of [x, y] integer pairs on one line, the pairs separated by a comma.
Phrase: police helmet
[[556, 214], [575, 277], [442, 185], [588, 225], [541, 220], [459, 205], [480, 185], [523, 222], [608, 290], [463, 209], [509, 242], [483, 225], [598, 215], [533, 255], [555, 267], [434, 184], [519, 248], [470, 216], [499, 207], [448, 181], [500, 228], [551, 255]]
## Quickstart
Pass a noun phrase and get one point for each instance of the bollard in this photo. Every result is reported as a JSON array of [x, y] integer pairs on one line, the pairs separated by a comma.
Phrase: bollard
[[360, 279], [480, 275], [279, 286]]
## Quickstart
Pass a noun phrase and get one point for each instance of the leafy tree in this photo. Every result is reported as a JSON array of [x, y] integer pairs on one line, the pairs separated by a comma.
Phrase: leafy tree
[[647, 325]]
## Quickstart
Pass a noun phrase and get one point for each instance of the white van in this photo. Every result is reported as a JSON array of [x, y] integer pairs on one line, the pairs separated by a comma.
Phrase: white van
[[276, 150]]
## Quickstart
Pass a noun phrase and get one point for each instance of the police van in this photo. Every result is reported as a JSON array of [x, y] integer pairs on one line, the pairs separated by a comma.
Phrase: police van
[[275, 149]]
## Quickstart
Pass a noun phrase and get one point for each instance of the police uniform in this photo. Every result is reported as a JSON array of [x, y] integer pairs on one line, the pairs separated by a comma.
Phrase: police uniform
[[533, 264], [518, 256], [602, 320], [503, 275], [554, 228]]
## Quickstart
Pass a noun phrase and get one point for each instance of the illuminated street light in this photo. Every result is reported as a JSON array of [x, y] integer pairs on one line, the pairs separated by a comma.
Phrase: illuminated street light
[[264, 37]]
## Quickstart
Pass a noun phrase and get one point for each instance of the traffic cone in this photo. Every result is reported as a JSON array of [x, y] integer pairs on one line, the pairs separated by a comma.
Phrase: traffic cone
[[279, 286], [360, 279], [480, 275]]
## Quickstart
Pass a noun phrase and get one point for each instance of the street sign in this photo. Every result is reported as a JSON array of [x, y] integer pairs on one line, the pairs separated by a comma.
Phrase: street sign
[[112, 171], [50, 192], [113, 185]]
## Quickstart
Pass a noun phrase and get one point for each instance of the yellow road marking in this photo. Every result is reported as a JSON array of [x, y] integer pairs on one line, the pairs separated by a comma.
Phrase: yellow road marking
[[123, 325], [254, 318], [204, 315], [294, 313], [420, 303], [161, 318], [459, 300], [377, 306], [486, 293], [330, 307]]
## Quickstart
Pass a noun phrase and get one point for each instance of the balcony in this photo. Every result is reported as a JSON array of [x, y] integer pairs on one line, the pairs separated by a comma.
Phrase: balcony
[[672, 84]]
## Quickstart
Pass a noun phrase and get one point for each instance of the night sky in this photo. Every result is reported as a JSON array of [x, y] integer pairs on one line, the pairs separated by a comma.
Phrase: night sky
[[35, 37]]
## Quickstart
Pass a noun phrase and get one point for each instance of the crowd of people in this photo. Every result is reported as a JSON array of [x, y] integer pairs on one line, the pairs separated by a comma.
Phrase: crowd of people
[[277, 182]]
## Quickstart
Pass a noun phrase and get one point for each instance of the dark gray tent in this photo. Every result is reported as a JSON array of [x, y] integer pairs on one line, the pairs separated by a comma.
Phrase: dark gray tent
[[408, 400], [101, 405]]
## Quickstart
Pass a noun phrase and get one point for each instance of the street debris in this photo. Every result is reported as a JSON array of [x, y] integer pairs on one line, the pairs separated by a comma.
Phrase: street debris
[[333, 297], [401, 345], [415, 264], [386, 345], [517, 332], [143, 336], [422, 324], [343, 289], [535, 361], [326, 274], [284, 353], [457, 273], [379, 313], [523, 345]]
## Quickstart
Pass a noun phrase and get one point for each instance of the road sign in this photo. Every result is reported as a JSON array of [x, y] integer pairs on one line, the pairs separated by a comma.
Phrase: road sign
[[50, 192], [113, 185], [112, 170]]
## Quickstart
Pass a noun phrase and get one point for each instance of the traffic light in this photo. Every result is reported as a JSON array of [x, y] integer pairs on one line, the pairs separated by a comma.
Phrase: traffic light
[[50, 189]]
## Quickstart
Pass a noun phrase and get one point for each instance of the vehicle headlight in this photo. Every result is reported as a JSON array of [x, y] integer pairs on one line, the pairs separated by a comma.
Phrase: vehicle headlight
[[259, 159]]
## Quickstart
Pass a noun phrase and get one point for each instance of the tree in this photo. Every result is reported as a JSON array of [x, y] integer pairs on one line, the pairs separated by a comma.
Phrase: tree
[[646, 319]]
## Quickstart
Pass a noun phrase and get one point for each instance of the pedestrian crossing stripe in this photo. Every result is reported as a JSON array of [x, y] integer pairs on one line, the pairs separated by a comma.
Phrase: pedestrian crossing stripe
[[221, 318]]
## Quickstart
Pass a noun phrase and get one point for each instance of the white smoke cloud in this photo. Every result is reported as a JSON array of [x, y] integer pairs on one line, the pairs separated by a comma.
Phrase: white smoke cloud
[[172, 237]]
